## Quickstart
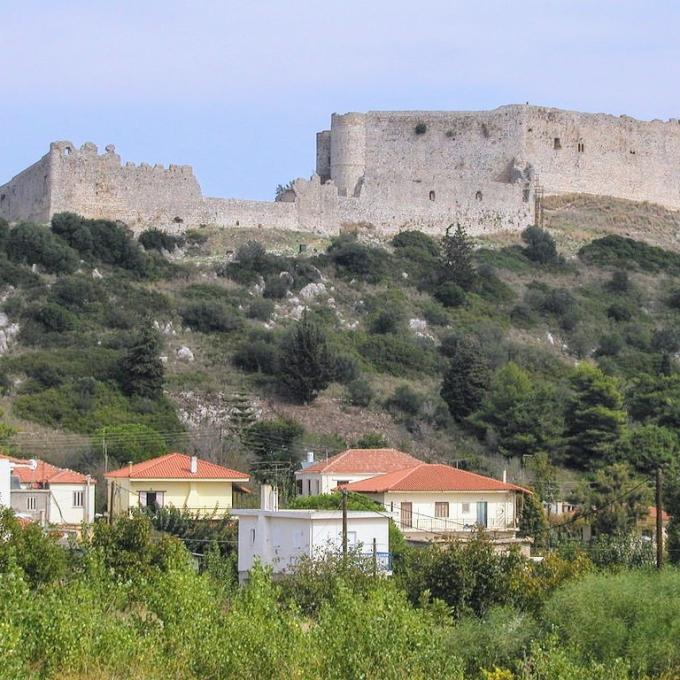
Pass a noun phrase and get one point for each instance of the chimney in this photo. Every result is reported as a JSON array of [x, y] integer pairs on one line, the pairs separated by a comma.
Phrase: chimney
[[130, 466], [269, 497], [505, 476], [310, 457], [194, 465]]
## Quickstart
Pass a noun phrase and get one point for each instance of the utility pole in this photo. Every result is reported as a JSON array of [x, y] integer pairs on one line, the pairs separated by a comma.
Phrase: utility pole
[[344, 523], [106, 452], [110, 518], [659, 520]]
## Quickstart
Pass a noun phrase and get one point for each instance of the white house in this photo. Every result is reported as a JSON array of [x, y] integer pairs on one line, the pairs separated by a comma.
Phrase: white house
[[436, 502], [46, 493], [280, 538], [348, 466]]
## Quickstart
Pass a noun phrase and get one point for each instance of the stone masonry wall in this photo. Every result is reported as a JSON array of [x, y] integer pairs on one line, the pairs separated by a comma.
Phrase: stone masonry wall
[[381, 170]]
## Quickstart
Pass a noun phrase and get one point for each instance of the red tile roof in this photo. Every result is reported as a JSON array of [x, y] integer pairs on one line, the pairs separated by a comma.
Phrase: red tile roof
[[176, 466], [45, 473], [431, 477], [651, 513], [365, 461]]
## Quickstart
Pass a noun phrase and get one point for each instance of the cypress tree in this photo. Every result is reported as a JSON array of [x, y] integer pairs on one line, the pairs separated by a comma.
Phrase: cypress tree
[[141, 367]]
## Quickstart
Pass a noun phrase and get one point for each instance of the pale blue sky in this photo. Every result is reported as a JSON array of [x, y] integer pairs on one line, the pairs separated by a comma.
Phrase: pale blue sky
[[237, 89]]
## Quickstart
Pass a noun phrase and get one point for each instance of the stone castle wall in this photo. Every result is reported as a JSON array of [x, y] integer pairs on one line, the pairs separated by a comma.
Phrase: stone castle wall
[[382, 170]]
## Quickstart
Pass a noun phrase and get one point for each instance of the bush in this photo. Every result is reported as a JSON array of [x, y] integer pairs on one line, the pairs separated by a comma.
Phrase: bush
[[399, 356], [54, 318], [632, 615], [420, 128], [610, 345], [257, 356], [389, 320], [450, 294], [619, 312], [359, 392], [540, 246], [523, 316], [276, 287], [628, 253], [405, 400], [33, 244], [209, 316], [372, 440], [155, 239], [260, 309], [352, 258], [415, 240], [619, 282], [132, 442], [435, 314]]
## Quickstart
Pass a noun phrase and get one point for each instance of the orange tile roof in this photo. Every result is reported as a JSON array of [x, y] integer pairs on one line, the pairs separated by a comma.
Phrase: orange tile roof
[[45, 473], [365, 461], [176, 466], [431, 477], [651, 513]]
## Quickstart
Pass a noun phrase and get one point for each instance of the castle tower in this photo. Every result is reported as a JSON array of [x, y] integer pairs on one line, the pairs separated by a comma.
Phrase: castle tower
[[348, 152]]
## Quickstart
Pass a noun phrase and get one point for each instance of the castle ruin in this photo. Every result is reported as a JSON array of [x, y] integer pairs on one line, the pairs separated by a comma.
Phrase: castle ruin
[[385, 171]]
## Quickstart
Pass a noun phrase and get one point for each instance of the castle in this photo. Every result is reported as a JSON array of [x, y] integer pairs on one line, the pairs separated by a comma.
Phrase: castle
[[386, 171]]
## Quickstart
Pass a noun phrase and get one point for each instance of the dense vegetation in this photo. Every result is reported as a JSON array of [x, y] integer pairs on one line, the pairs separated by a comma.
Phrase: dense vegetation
[[127, 597]]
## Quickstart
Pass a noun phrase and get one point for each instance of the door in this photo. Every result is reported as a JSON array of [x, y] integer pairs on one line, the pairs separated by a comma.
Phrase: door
[[482, 510], [406, 515]]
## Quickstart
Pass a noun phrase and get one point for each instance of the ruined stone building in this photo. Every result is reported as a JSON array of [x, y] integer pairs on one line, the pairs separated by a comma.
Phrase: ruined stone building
[[385, 171]]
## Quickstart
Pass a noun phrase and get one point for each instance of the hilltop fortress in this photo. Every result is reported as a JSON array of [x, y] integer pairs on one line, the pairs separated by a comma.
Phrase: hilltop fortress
[[387, 171]]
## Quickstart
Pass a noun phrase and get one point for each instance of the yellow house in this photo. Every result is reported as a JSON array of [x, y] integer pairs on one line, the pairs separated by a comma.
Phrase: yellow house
[[173, 479]]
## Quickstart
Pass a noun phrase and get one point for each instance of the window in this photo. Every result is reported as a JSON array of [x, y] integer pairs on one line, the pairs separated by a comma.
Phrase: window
[[441, 509], [31, 503], [557, 144], [151, 499], [432, 196], [252, 536], [309, 487], [581, 147], [479, 196], [298, 484], [466, 508], [318, 486], [343, 482], [77, 499], [406, 515]]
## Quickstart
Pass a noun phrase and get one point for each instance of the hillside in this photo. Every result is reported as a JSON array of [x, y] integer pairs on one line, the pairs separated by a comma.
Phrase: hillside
[[224, 304]]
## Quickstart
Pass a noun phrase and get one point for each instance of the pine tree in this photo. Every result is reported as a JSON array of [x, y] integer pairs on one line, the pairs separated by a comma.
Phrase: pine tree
[[307, 362], [466, 380], [457, 260], [141, 367], [595, 418]]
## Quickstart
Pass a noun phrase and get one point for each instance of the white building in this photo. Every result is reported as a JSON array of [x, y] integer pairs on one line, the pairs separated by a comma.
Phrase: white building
[[348, 466], [280, 538], [47, 494], [436, 502]]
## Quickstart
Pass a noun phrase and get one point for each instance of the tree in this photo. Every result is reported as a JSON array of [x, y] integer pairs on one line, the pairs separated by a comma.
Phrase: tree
[[466, 379], [544, 477], [131, 442], [141, 367], [615, 500], [540, 246], [274, 442], [648, 447], [372, 440], [457, 258], [532, 519], [307, 363], [521, 416], [594, 419]]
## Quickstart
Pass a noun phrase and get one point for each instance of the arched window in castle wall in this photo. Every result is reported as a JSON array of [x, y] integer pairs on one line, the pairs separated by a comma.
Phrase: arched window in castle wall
[[479, 196], [432, 196], [557, 143], [581, 147]]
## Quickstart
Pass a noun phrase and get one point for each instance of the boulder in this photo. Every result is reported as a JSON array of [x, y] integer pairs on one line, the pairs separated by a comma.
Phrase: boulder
[[312, 290], [185, 354]]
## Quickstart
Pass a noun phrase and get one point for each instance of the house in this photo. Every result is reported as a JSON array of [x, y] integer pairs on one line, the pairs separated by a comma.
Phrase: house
[[46, 493], [280, 538], [431, 502], [174, 479], [348, 466]]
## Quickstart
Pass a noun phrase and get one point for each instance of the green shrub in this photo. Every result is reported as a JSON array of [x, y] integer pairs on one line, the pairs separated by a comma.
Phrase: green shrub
[[131, 442], [420, 128], [54, 318], [155, 239], [260, 309], [33, 244], [78, 292], [628, 253], [257, 356], [450, 294], [398, 356], [210, 316], [359, 392], [674, 299], [540, 246], [633, 615], [610, 345], [276, 287], [354, 259], [414, 240], [620, 312], [619, 282], [435, 314], [405, 400], [389, 320]]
